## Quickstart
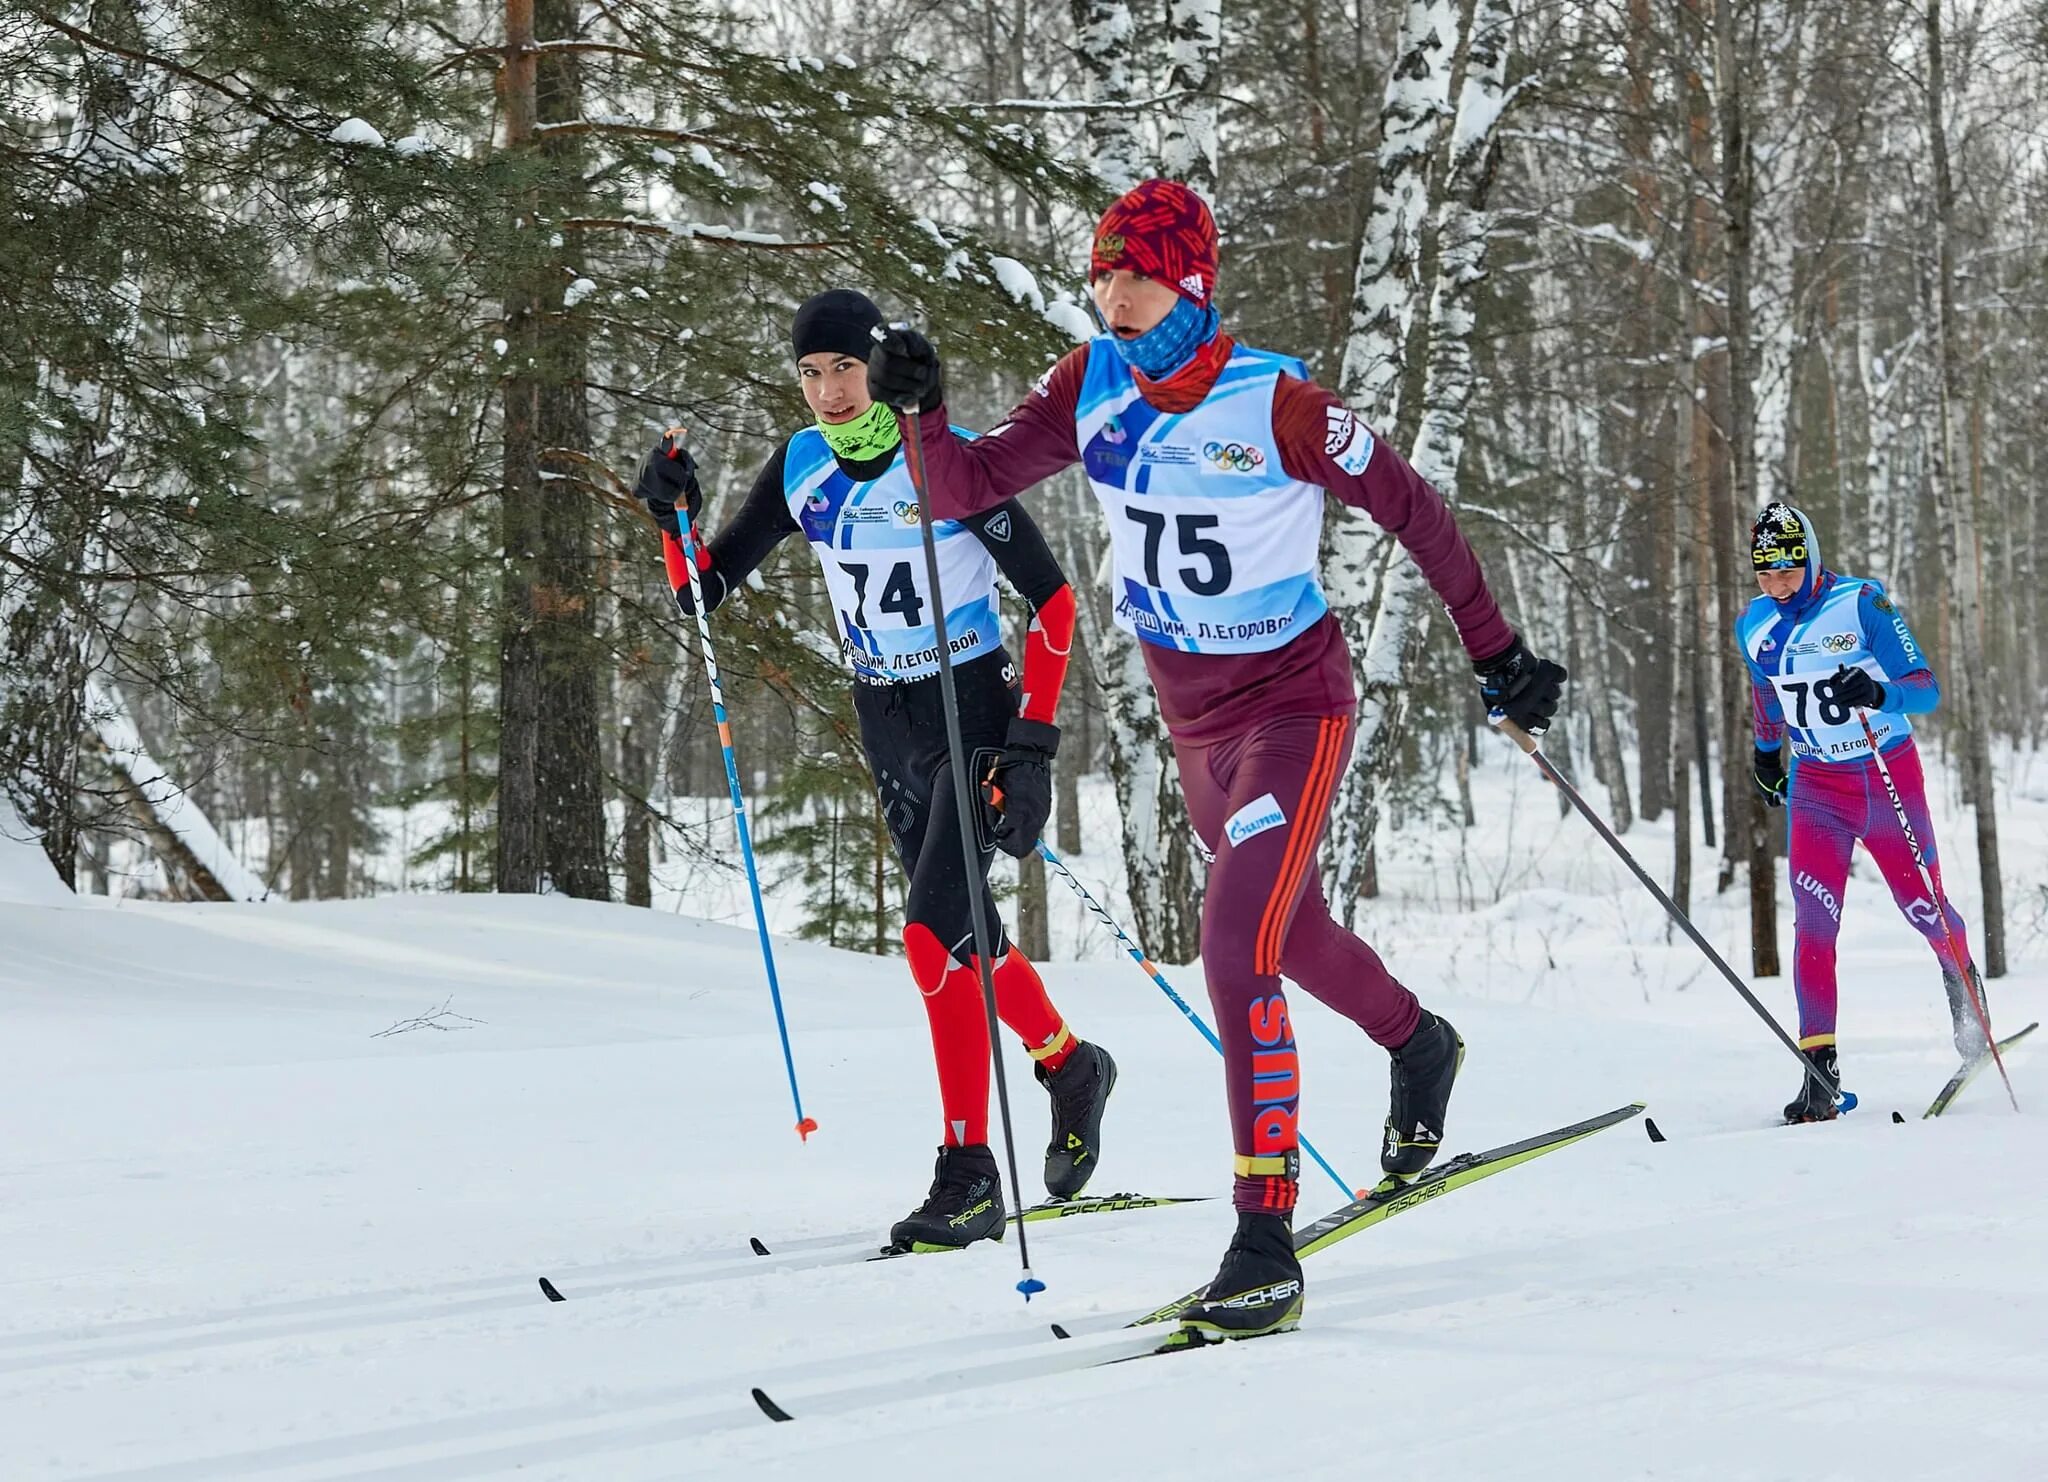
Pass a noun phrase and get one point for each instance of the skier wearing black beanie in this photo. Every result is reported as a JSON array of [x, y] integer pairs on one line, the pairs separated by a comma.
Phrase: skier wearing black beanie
[[841, 483]]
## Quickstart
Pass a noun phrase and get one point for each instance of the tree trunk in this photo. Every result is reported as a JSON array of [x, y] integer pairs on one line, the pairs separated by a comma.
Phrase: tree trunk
[[1962, 556], [637, 835], [1654, 674], [1738, 180], [1034, 929], [551, 810], [1073, 766], [1163, 866], [520, 846]]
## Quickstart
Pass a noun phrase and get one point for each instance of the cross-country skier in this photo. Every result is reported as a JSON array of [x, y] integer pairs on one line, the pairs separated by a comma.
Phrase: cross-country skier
[[841, 484], [1820, 646], [1211, 461]]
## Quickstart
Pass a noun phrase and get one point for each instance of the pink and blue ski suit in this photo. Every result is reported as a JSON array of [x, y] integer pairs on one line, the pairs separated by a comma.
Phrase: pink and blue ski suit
[[1793, 648]]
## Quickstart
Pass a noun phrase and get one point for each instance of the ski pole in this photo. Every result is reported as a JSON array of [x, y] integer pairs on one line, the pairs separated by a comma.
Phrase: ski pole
[[805, 1126], [1933, 885], [1842, 1100], [963, 788], [1152, 971]]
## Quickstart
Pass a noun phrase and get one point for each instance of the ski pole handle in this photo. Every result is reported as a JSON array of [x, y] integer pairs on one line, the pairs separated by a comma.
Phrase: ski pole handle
[[1498, 719]]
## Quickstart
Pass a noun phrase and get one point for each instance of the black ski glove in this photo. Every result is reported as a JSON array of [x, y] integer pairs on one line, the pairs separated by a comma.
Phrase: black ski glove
[[1019, 787], [1522, 687], [668, 476], [1768, 773], [903, 370], [1855, 687]]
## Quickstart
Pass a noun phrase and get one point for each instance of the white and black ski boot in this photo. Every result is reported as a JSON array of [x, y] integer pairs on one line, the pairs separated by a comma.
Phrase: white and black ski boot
[[1969, 1033], [1422, 1070], [1812, 1104], [1257, 1290], [965, 1204], [1080, 1090]]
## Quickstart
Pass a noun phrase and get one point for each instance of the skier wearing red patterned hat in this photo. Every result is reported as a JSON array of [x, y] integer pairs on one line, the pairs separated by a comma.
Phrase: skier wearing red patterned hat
[[1212, 461]]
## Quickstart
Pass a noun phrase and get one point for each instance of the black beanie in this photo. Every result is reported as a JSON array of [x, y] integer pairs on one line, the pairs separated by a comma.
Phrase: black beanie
[[837, 320]]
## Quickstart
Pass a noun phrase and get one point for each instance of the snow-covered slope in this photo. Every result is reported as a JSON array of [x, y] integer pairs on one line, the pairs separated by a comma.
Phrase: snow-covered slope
[[245, 1233]]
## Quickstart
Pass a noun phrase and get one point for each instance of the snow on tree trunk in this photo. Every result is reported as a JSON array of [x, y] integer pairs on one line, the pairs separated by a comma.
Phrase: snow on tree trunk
[[1776, 164], [1387, 288], [55, 529], [1164, 868], [43, 667], [1194, 39], [177, 828], [1956, 498], [1104, 35], [1394, 639]]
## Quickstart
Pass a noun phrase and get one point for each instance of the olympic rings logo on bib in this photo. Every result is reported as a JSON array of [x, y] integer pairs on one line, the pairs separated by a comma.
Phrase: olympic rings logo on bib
[[1234, 457], [907, 512]]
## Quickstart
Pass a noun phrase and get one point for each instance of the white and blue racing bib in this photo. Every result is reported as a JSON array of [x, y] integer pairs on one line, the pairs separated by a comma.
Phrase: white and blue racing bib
[[866, 538], [1216, 548], [1799, 657]]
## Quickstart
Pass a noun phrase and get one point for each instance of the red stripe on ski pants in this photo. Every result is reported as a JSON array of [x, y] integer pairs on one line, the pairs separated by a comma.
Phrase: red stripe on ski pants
[[1833, 805], [1260, 800]]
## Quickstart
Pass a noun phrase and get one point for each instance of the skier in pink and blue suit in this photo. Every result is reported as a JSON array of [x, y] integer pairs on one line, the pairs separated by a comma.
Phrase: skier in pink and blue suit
[[1820, 647]]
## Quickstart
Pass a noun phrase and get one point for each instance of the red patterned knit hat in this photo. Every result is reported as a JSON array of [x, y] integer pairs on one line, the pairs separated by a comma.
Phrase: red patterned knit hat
[[1164, 230]]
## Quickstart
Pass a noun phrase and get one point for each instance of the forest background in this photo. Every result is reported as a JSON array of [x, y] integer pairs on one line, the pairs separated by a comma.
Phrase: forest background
[[334, 333]]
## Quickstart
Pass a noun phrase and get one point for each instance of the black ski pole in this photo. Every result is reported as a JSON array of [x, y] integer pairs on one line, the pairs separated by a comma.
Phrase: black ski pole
[[963, 790], [1845, 1100]]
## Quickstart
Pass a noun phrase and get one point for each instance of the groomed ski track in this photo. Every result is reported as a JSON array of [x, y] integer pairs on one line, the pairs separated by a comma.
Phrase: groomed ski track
[[242, 1238]]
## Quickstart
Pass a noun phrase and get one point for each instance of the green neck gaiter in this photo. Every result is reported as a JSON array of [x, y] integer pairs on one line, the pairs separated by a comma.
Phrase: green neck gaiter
[[870, 435]]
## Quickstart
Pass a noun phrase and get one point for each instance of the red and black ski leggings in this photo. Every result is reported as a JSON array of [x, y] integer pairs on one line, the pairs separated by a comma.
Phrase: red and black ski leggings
[[1260, 799]]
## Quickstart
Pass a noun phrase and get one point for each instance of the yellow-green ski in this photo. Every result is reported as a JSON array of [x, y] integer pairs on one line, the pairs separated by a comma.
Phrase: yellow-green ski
[[1392, 1197]]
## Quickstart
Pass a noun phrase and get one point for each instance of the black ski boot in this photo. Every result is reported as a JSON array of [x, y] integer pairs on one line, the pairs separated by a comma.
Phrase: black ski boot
[[1080, 1090], [1258, 1289], [965, 1204], [1422, 1071], [1969, 1033], [1812, 1104]]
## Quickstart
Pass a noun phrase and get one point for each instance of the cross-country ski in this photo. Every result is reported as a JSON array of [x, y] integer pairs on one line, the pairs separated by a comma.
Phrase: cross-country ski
[[1969, 1070]]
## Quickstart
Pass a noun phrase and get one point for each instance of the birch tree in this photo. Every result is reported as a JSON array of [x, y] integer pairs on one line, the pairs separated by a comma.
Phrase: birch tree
[[1163, 864], [1188, 149], [1387, 658]]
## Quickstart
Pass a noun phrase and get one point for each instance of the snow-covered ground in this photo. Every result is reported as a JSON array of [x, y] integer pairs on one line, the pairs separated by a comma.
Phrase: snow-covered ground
[[246, 1232]]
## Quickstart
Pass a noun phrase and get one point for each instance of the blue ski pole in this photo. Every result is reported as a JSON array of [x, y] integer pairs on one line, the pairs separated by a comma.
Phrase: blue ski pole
[[1138, 956], [805, 1126]]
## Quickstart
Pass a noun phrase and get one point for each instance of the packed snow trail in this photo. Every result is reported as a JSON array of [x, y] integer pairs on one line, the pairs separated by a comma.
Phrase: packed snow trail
[[245, 1237]]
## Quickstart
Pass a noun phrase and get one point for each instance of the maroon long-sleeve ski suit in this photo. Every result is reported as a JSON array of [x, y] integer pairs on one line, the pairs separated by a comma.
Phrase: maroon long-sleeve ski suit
[[1261, 738]]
